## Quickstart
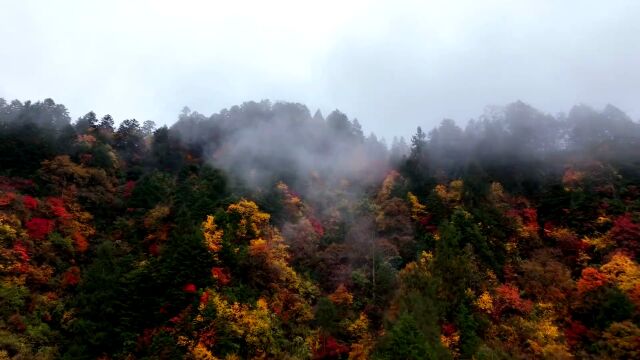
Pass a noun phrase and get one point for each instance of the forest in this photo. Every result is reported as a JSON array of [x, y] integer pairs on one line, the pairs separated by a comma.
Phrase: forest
[[267, 232]]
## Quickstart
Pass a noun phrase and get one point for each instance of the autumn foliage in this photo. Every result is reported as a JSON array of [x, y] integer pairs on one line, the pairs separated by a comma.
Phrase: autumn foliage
[[591, 279], [501, 240], [39, 228]]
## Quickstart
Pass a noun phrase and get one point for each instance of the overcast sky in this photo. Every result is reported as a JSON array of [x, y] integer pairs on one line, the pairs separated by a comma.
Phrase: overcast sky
[[392, 64]]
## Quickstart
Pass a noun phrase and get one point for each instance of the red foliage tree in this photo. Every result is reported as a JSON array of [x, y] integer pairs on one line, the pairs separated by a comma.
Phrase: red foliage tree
[[71, 277], [634, 296], [508, 299], [29, 202], [189, 288], [22, 266], [17, 322], [575, 333], [154, 249], [448, 329], [626, 233], [317, 226], [80, 242], [21, 251], [128, 188], [204, 298], [7, 198], [567, 241], [330, 348], [590, 280], [39, 228], [530, 219], [57, 207], [221, 275]]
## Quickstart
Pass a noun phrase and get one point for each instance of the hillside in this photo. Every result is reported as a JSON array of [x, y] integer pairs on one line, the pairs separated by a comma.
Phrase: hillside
[[265, 232]]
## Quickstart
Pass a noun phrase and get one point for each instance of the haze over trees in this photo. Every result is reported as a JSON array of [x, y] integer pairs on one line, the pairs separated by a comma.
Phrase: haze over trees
[[264, 231]]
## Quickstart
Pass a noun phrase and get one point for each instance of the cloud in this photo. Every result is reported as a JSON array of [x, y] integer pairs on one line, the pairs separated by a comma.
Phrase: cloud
[[394, 65]]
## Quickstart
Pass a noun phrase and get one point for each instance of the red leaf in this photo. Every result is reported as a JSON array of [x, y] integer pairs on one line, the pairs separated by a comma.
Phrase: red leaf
[[58, 208], [591, 279], [71, 276], [7, 198], [81, 242], [39, 228], [204, 298], [29, 202], [128, 188], [221, 274]]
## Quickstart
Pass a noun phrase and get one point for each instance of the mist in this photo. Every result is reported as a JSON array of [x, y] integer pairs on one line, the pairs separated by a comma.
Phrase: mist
[[261, 143]]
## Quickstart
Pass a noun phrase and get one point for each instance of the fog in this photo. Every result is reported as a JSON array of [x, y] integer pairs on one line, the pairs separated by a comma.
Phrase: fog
[[392, 65], [263, 143]]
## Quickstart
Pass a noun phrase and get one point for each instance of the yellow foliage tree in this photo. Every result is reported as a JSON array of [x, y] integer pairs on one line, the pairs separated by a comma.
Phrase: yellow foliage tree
[[451, 194], [341, 296], [292, 202], [212, 235], [363, 347], [387, 185], [485, 302], [418, 210], [622, 271], [252, 324], [621, 339], [200, 352], [252, 222]]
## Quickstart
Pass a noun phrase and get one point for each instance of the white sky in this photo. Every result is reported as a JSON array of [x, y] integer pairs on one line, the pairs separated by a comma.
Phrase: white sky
[[392, 64]]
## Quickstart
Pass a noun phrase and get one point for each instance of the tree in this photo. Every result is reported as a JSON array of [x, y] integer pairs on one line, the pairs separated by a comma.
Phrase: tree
[[129, 142], [399, 150], [416, 167], [446, 147], [86, 123], [406, 341], [148, 127]]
